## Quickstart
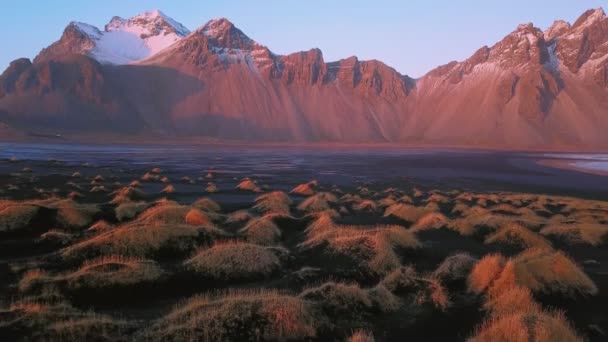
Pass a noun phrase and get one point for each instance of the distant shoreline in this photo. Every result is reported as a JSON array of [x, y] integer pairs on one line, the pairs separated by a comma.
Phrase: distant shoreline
[[202, 141], [570, 165]]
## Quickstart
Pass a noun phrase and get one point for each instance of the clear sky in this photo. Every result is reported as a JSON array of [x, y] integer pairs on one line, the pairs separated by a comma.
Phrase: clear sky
[[411, 36]]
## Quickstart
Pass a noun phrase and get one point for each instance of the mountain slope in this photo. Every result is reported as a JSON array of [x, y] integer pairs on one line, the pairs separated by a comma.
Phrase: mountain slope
[[531, 89]]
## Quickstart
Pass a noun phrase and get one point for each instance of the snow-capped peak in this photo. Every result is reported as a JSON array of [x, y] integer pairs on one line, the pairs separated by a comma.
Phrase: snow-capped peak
[[130, 40], [148, 24]]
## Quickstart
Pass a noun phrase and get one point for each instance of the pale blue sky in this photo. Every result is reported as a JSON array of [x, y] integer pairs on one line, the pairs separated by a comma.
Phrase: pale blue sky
[[411, 36]]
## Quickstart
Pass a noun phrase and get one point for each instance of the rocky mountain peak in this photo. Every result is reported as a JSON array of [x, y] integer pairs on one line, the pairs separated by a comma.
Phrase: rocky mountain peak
[[558, 28]]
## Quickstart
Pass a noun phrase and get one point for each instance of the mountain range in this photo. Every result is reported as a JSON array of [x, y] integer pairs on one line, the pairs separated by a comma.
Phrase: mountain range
[[150, 77]]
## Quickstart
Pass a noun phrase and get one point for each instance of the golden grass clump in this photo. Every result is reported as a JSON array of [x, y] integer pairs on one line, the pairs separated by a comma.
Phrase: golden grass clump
[[593, 234], [383, 299], [234, 261], [165, 214], [540, 270], [33, 278], [537, 326], [128, 210], [57, 236], [75, 215], [373, 248], [366, 205], [239, 216], [261, 231], [401, 280], [339, 298], [127, 194], [429, 221], [361, 336], [248, 185], [211, 188], [169, 189], [511, 300], [547, 271], [434, 293], [15, 216], [276, 202], [207, 204], [485, 272], [58, 321], [319, 202], [237, 316], [150, 177], [515, 234], [142, 240], [113, 270], [405, 212], [100, 226], [195, 217], [455, 267], [303, 190]]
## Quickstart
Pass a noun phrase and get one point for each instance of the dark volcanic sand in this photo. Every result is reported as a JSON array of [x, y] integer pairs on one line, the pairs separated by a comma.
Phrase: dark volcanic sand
[[52, 167]]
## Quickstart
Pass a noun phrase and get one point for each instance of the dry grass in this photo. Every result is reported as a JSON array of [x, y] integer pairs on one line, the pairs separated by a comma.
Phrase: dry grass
[[433, 292], [551, 272], [527, 326], [127, 194], [319, 202], [276, 202], [593, 234], [207, 204], [430, 221], [58, 321], [405, 212], [165, 214], [540, 270], [261, 231], [514, 234], [373, 248], [57, 236], [485, 272], [303, 190], [366, 206], [195, 217], [339, 298], [248, 185], [75, 215], [211, 188], [455, 267], [361, 336], [234, 261], [237, 316], [127, 211], [510, 301], [113, 270], [33, 278], [169, 189], [383, 299], [100, 226], [239, 216], [16, 216], [401, 280], [142, 240]]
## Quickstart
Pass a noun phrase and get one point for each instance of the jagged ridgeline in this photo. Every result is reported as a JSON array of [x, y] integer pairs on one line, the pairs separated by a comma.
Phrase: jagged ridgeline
[[149, 76]]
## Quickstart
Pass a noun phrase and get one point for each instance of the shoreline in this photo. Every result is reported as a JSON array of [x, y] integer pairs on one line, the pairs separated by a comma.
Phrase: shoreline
[[202, 142], [569, 165]]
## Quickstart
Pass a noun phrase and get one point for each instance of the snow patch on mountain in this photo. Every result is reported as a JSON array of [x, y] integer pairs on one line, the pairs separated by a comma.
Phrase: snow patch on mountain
[[126, 41]]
